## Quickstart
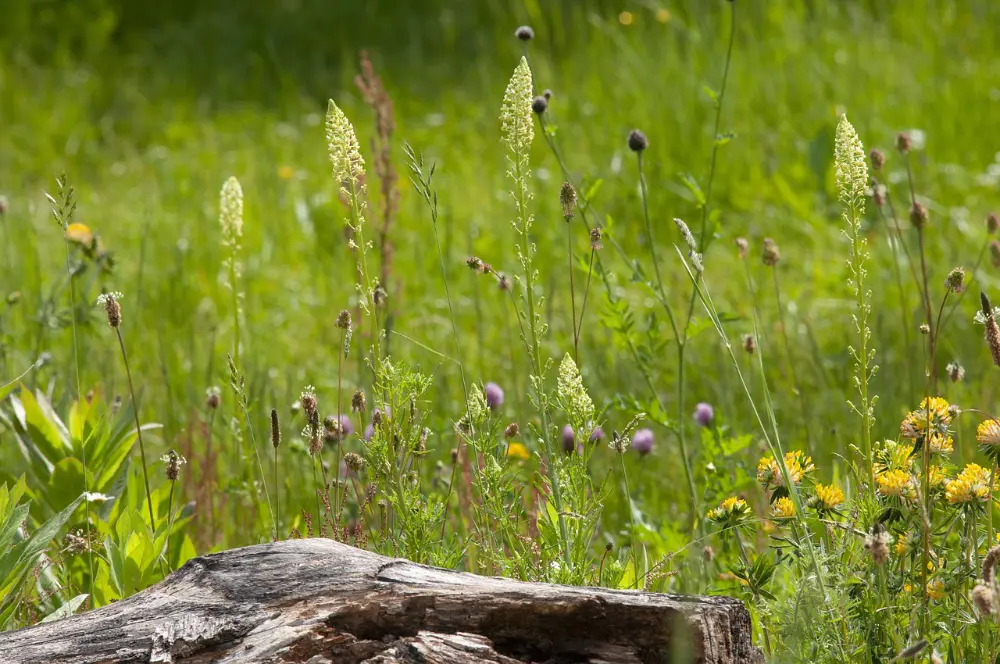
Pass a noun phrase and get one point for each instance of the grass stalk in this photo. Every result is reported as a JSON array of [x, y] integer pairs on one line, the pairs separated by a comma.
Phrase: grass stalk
[[138, 428]]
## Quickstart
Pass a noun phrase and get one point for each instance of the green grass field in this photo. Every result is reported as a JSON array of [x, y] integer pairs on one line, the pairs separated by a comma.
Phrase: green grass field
[[148, 115]]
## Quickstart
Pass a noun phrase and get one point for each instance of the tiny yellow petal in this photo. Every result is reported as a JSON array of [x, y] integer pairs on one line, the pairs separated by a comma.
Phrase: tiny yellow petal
[[518, 451], [79, 233]]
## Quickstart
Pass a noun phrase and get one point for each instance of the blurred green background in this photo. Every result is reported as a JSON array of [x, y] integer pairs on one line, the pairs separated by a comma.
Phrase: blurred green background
[[149, 107]]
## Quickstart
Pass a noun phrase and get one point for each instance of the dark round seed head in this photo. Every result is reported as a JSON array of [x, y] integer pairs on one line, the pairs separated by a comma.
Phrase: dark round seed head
[[524, 33], [512, 431], [992, 222], [878, 159], [918, 215], [547, 94], [358, 401], [275, 428], [344, 319], [567, 198], [903, 142], [637, 141], [540, 105]]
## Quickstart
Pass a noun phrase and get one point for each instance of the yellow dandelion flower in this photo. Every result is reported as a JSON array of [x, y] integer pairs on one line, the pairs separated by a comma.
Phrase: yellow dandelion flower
[[894, 483], [662, 15], [908, 587], [783, 508], [79, 233], [988, 432], [769, 473], [518, 451], [828, 496], [286, 172], [626, 18], [971, 485]]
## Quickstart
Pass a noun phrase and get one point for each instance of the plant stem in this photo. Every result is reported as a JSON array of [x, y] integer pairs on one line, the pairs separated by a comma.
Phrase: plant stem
[[138, 430], [631, 514], [337, 506], [791, 362], [572, 293], [170, 524], [277, 496]]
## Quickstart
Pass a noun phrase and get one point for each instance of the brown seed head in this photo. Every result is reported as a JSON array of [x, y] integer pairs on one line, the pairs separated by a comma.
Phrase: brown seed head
[[771, 253], [878, 159], [358, 401], [749, 344], [503, 282], [995, 252], [955, 280], [983, 598], [344, 319], [377, 418], [878, 195], [637, 141], [172, 469], [708, 553], [308, 401], [4, 205], [595, 238], [742, 247], [454, 455], [111, 307], [353, 461], [512, 431], [275, 429], [990, 563], [992, 223], [918, 215], [213, 397], [474, 263], [524, 33], [315, 445], [903, 142], [567, 198]]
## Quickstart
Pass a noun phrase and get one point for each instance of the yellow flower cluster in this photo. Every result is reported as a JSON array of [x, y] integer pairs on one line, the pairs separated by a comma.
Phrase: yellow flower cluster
[[783, 508], [730, 511], [896, 484], [769, 472], [828, 497], [971, 485], [988, 433], [934, 417]]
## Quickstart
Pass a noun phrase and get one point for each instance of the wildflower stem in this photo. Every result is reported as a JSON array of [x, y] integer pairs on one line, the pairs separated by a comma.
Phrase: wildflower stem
[[972, 277], [791, 362], [586, 291], [277, 496], [572, 294], [170, 525], [138, 429], [338, 506], [631, 514]]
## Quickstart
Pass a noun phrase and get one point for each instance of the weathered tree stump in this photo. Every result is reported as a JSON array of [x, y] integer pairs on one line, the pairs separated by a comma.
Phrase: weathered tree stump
[[319, 601]]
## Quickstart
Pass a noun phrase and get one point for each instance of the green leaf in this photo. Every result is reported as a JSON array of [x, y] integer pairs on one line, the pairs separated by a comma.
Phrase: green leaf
[[694, 188], [712, 94], [592, 189], [65, 483], [67, 609]]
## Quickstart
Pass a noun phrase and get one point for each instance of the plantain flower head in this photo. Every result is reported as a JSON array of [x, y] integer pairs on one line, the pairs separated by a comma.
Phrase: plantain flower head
[[342, 143], [517, 125], [231, 212], [852, 170]]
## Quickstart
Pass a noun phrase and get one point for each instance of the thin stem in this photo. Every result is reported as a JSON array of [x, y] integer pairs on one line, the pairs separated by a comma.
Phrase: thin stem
[[211, 481], [338, 506], [586, 291], [170, 524], [138, 430], [927, 308], [631, 515], [79, 396], [972, 276], [791, 362], [277, 495], [572, 293]]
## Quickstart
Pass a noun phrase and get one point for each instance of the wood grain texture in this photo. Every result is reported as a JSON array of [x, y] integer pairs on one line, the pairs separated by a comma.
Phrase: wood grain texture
[[320, 601]]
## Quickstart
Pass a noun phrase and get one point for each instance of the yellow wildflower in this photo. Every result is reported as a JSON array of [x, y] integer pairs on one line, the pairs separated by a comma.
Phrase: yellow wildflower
[[730, 511], [933, 415], [79, 233], [895, 484], [891, 455], [937, 477], [828, 497], [941, 443], [971, 485], [662, 15], [935, 589], [769, 473], [783, 508], [286, 172], [988, 432], [626, 18], [904, 544], [518, 451]]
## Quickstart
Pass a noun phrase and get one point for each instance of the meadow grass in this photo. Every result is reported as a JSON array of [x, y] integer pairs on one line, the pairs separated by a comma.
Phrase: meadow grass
[[147, 147]]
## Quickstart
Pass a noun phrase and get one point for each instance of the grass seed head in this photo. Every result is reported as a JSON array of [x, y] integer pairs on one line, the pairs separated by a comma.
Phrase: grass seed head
[[637, 141]]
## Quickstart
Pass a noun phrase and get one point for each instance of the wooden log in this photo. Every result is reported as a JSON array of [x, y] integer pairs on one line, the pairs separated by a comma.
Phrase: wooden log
[[319, 601]]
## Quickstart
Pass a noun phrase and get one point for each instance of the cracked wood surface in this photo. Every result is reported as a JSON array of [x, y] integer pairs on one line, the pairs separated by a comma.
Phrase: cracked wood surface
[[320, 601]]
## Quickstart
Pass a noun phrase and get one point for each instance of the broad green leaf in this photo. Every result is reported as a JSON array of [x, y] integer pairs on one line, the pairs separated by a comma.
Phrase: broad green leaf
[[694, 188], [67, 609], [44, 427], [65, 483]]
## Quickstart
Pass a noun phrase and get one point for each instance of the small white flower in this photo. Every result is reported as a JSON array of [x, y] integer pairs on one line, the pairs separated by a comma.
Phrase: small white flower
[[104, 298]]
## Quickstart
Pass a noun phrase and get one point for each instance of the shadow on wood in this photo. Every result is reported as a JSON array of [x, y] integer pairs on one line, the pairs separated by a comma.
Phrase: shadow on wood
[[319, 601]]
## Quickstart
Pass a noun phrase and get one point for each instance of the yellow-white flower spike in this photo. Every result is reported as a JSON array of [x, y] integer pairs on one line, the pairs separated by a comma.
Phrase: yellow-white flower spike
[[517, 125], [342, 143], [852, 169], [572, 394], [231, 211]]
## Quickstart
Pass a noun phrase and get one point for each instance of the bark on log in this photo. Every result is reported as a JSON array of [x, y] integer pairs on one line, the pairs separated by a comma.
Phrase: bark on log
[[319, 601]]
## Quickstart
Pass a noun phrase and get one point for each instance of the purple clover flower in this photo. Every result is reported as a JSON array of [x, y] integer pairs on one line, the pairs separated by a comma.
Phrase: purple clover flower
[[494, 395], [704, 414], [642, 441], [597, 435], [568, 439]]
